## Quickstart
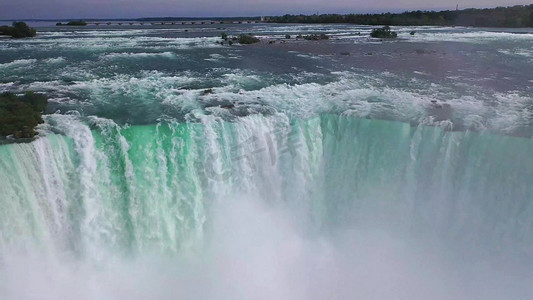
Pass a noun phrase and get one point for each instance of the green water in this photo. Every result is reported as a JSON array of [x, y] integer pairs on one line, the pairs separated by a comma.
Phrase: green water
[[145, 188]]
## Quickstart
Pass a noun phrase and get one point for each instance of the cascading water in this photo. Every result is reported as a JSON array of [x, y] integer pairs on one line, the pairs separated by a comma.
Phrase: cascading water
[[139, 190]]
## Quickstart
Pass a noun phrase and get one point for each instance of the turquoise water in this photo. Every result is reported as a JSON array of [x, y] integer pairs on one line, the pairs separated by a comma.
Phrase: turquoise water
[[296, 178]]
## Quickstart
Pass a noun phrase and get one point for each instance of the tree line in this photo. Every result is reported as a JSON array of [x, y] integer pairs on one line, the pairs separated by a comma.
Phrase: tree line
[[513, 16], [18, 30]]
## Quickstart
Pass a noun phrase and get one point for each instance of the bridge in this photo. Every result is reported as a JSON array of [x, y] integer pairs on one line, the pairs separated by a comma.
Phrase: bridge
[[150, 23]]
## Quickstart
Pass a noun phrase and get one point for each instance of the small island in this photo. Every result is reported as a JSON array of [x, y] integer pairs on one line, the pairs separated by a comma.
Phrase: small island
[[384, 33], [18, 30], [72, 23], [19, 115]]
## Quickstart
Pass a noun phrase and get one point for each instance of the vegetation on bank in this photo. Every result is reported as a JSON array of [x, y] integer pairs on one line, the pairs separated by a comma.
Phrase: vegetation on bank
[[383, 33], [19, 115], [18, 30], [73, 23], [513, 16]]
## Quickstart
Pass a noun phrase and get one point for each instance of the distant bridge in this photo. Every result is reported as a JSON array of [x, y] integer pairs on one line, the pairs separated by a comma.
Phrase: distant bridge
[[145, 23]]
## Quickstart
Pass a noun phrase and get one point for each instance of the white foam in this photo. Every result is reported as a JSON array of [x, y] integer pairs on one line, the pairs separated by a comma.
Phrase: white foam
[[369, 96], [140, 55], [215, 57], [55, 60], [19, 63], [114, 43], [468, 36], [308, 56], [518, 52]]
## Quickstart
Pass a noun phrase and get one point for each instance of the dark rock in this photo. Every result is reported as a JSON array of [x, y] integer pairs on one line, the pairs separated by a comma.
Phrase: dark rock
[[228, 106], [316, 37], [207, 92], [247, 39], [440, 111]]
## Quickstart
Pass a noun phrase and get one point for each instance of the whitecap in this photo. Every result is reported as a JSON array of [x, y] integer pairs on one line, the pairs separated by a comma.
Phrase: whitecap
[[140, 55], [19, 63]]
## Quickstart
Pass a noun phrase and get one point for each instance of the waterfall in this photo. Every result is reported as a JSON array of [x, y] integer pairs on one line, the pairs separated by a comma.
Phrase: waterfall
[[94, 189]]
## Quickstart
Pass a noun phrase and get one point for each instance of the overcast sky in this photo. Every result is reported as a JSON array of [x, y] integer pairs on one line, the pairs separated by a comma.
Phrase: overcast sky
[[59, 9]]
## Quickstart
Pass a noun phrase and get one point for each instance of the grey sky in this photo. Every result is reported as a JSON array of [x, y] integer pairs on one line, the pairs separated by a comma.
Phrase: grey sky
[[51, 9]]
